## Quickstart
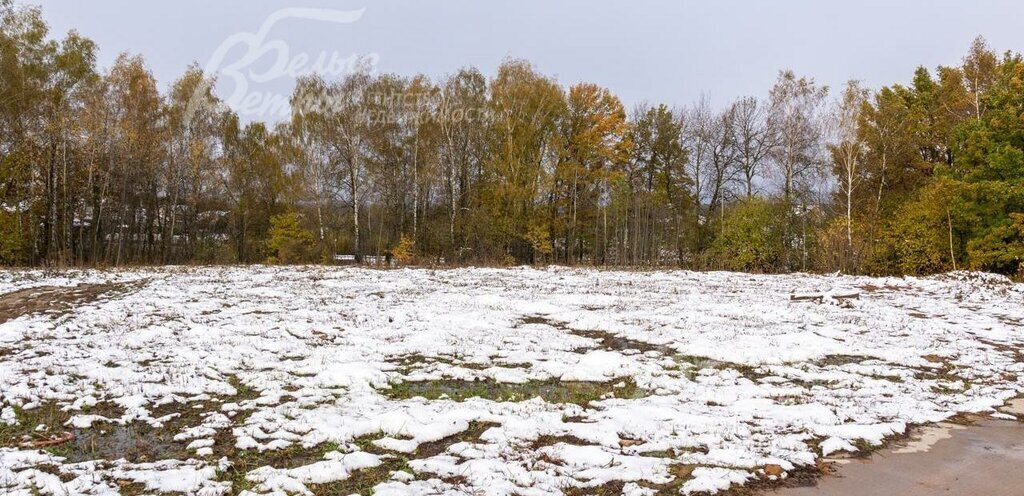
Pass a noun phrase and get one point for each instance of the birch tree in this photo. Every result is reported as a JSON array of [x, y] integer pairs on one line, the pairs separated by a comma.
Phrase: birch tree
[[848, 149], [461, 117], [798, 155], [335, 115]]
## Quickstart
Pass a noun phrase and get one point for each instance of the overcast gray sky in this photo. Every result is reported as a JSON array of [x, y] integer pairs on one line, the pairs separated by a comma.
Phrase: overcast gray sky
[[670, 52]]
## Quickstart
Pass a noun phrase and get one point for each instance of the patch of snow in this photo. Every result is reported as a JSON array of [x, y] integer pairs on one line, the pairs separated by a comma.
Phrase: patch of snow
[[734, 377]]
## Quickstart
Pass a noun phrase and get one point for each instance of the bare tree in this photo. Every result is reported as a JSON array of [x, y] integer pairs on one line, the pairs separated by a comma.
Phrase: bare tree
[[707, 139], [722, 158], [753, 137], [695, 121]]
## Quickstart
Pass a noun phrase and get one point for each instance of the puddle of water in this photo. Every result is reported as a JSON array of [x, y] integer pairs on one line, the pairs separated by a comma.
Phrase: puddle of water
[[136, 442], [133, 442]]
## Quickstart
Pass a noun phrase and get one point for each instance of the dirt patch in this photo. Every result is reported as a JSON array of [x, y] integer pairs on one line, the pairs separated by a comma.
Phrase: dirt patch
[[471, 435], [886, 288], [799, 477], [605, 340], [548, 440], [552, 391], [363, 481], [840, 360], [244, 461], [613, 342], [55, 299], [943, 373], [693, 365], [607, 489], [680, 474], [406, 364], [542, 320]]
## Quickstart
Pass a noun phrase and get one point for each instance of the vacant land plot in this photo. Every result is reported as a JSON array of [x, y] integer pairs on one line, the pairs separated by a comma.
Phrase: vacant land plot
[[480, 381]]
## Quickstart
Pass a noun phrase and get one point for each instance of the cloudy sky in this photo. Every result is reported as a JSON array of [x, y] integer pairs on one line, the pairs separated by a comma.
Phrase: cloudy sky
[[670, 52]]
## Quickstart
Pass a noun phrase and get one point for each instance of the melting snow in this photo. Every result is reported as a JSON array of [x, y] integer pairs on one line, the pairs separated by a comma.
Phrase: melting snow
[[736, 376]]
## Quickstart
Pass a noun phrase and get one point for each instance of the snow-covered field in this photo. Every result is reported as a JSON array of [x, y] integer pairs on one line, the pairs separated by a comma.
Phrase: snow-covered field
[[484, 381]]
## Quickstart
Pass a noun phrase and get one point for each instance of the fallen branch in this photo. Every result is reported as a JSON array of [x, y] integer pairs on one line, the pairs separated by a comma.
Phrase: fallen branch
[[46, 443]]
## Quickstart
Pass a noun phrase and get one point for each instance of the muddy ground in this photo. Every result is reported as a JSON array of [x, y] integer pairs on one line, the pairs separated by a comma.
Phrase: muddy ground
[[53, 299]]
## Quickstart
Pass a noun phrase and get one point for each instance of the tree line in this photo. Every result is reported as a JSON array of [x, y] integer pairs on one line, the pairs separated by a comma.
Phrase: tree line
[[101, 167]]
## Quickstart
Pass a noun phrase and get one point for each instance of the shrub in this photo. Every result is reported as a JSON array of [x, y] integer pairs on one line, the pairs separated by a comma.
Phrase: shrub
[[288, 240], [404, 252], [13, 246], [1002, 249], [751, 239], [540, 242]]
